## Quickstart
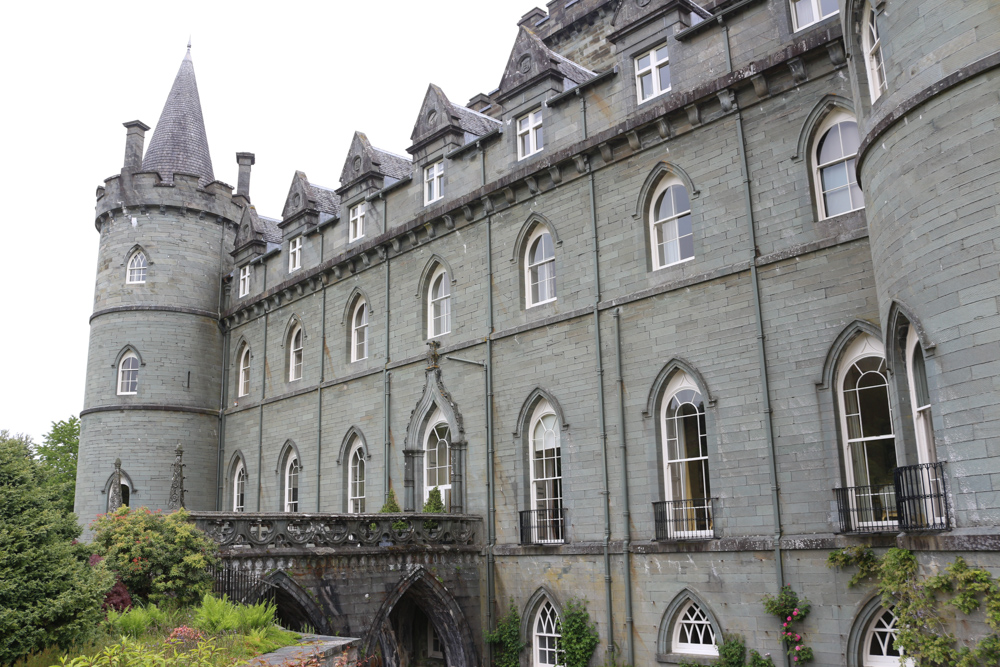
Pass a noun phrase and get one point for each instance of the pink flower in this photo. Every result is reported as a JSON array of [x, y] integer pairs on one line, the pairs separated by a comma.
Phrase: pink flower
[[798, 648], [784, 625], [795, 613], [789, 618], [796, 658], [798, 637]]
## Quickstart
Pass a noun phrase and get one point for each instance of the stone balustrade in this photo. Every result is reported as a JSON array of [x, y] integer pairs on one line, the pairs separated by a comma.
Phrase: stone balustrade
[[291, 530]]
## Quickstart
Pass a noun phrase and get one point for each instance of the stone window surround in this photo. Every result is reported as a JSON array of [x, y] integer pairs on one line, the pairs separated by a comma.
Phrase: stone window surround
[[295, 254], [434, 182], [653, 69], [533, 128]]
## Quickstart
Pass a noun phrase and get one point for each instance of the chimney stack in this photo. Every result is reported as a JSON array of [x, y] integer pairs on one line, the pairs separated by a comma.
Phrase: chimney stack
[[245, 160], [134, 140]]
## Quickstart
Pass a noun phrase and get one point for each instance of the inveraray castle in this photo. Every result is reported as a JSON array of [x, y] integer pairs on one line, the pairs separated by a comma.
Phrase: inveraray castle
[[694, 296]]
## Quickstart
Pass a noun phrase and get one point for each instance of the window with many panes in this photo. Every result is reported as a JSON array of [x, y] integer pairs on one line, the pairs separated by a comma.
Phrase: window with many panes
[[685, 459], [834, 170], [295, 254], [356, 222], [540, 268], [244, 378], [878, 649], [437, 459], [244, 280], [356, 478], [292, 470], [434, 182], [546, 637], [295, 355], [807, 12], [652, 73], [359, 331], [439, 304], [693, 632], [128, 374], [136, 273], [670, 229], [239, 488], [529, 134], [546, 475], [873, 53]]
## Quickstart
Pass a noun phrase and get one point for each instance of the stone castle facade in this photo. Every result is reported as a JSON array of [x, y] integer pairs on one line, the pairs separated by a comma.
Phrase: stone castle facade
[[698, 294]]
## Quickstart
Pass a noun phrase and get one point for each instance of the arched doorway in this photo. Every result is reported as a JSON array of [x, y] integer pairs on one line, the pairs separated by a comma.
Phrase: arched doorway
[[420, 623], [296, 608]]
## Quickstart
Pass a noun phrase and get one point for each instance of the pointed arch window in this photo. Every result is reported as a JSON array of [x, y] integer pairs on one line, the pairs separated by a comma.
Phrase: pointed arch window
[[437, 465], [439, 303], [670, 228], [540, 268], [359, 331], [878, 649], [356, 479], [291, 482], [920, 397], [833, 158], [546, 517], [137, 264], [686, 512], [295, 354], [244, 376], [239, 487], [693, 632], [869, 443], [128, 374], [873, 53], [546, 637]]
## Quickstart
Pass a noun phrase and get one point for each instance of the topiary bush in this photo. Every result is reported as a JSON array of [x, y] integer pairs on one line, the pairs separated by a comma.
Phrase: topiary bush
[[434, 505], [159, 557]]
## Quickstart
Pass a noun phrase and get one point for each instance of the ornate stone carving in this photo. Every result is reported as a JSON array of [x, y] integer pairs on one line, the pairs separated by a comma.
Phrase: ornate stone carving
[[115, 492], [176, 498]]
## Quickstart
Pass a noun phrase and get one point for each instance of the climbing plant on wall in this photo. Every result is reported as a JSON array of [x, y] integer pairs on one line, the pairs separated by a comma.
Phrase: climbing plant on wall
[[791, 611]]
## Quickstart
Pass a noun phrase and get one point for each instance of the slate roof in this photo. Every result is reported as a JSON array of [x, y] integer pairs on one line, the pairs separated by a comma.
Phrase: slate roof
[[474, 122], [392, 165], [269, 229], [569, 69], [326, 199], [179, 142]]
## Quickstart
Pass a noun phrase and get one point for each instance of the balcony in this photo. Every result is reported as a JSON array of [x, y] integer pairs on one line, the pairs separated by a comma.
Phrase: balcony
[[692, 519], [547, 526], [915, 501]]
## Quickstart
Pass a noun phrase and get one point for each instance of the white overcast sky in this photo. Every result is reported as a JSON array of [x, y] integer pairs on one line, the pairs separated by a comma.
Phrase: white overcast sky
[[288, 81]]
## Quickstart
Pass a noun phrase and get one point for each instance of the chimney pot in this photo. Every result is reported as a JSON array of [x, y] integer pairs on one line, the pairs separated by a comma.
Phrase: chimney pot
[[245, 160], [135, 138]]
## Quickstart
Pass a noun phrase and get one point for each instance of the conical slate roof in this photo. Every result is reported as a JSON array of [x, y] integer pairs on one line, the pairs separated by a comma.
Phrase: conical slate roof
[[179, 142]]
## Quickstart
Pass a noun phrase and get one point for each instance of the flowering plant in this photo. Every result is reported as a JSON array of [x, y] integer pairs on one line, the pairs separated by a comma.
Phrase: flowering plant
[[790, 610]]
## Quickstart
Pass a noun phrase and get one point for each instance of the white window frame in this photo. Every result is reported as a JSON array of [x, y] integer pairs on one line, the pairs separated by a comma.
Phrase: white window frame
[[833, 119], [292, 472], [435, 647], [537, 267], [693, 618], [295, 254], [547, 491], [681, 386], [356, 478], [128, 374], [669, 224], [653, 69], [439, 304], [546, 637], [922, 423], [295, 354], [137, 267], [438, 431], [359, 331], [433, 182], [530, 137], [872, 44], [886, 631], [864, 503], [243, 388], [245, 273], [815, 6], [356, 226], [239, 487]]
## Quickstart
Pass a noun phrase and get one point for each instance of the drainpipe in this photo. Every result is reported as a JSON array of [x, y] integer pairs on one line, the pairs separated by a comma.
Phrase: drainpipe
[[491, 530], [219, 477], [263, 395], [758, 321], [386, 375], [482, 166], [583, 111], [319, 389], [604, 431], [626, 514]]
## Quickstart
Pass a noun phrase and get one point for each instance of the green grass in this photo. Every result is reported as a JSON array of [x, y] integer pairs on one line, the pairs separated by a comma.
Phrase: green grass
[[232, 634]]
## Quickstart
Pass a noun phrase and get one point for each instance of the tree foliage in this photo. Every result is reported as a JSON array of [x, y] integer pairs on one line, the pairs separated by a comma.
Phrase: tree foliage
[[506, 639], [58, 454], [48, 593], [579, 638], [159, 557]]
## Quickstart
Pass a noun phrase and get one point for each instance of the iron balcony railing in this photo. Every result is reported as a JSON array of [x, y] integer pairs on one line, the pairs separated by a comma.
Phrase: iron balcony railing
[[867, 509], [546, 526], [691, 519], [921, 497]]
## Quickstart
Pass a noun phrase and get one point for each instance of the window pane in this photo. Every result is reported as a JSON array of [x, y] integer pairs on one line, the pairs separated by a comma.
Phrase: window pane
[[539, 141], [643, 62], [834, 176], [849, 137], [829, 146], [664, 77], [664, 206], [661, 54], [686, 247], [803, 12], [646, 85], [680, 197], [828, 7]]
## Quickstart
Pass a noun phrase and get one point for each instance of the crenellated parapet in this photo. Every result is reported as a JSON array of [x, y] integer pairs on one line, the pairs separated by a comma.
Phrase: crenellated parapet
[[136, 194]]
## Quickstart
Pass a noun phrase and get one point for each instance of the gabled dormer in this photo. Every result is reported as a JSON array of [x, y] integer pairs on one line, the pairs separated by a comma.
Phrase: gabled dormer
[[631, 16], [443, 125], [366, 171], [308, 205], [534, 69], [255, 236]]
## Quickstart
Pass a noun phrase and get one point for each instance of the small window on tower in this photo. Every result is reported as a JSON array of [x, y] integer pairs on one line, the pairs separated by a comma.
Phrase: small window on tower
[[136, 269]]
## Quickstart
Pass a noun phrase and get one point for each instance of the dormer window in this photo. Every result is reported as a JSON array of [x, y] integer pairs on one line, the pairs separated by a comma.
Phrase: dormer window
[[529, 134], [357, 222], [434, 182], [244, 281], [295, 254], [652, 73]]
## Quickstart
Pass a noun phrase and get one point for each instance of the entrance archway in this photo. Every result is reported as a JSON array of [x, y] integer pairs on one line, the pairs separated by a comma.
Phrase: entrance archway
[[296, 608]]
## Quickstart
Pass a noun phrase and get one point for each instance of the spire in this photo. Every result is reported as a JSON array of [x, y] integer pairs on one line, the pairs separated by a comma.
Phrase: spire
[[179, 142]]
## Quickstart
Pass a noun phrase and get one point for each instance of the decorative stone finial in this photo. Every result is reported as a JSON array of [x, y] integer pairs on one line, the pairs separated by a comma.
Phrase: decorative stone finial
[[176, 498], [432, 354]]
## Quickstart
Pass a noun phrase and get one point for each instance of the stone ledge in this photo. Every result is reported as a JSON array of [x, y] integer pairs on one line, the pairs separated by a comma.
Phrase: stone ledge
[[330, 651]]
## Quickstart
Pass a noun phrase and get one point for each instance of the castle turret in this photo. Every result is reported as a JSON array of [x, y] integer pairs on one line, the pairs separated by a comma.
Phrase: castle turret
[[154, 371]]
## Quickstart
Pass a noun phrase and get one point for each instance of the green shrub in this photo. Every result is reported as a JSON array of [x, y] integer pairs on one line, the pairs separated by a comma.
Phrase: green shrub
[[158, 557], [137, 621], [434, 505], [49, 596], [391, 506], [579, 635], [132, 653], [219, 616], [506, 639]]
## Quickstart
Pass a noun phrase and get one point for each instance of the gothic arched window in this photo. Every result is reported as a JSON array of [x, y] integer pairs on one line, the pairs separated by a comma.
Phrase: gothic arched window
[[128, 374], [356, 478], [295, 354], [239, 488], [546, 636], [687, 512], [439, 303], [359, 331], [137, 264], [670, 229], [539, 268], [291, 482], [243, 388], [833, 159], [437, 462], [547, 520], [873, 52], [878, 649], [693, 632]]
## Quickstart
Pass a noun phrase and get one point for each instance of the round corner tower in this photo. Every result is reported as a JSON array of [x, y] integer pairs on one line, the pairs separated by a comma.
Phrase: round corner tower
[[154, 370]]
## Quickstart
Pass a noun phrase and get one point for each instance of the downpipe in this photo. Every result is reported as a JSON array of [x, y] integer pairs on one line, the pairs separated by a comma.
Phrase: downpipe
[[626, 512]]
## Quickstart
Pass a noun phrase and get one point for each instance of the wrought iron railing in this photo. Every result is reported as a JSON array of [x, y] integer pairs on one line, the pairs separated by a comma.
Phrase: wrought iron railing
[[691, 519], [546, 526], [241, 586], [278, 529], [867, 509], [921, 497]]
